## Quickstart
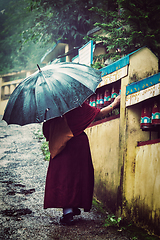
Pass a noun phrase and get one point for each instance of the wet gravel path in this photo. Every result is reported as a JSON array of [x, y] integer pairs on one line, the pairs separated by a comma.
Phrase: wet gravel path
[[22, 180]]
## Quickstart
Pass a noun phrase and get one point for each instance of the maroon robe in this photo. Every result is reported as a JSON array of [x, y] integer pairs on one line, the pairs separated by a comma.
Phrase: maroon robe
[[70, 176]]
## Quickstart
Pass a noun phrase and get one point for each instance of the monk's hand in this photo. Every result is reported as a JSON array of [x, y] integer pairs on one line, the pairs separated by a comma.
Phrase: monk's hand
[[116, 101]]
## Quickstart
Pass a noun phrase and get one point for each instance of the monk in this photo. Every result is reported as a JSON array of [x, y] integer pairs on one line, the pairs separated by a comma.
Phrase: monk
[[70, 175]]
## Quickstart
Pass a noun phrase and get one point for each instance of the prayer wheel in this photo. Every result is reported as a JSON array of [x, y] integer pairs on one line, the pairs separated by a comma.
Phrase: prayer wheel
[[156, 113], [114, 93], [107, 97], [146, 117], [100, 99], [93, 100]]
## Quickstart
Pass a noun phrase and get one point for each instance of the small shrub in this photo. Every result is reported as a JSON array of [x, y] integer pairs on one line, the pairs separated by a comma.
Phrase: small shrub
[[44, 145], [45, 150], [112, 221]]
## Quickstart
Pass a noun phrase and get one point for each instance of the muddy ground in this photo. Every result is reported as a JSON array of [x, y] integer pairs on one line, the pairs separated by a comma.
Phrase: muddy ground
[[22, 181]]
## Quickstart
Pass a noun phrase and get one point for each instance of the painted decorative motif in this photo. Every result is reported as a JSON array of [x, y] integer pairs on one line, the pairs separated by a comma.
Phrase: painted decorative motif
[[142, 90], [113, 77], [103, 97], [93, 100], [146, 117], [100, 100], [156, 113], [107, 97], [142, 95], [150, 115]]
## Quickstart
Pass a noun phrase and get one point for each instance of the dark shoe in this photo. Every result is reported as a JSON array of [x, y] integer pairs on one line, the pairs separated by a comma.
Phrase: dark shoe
[[76, 211], [67, 219]]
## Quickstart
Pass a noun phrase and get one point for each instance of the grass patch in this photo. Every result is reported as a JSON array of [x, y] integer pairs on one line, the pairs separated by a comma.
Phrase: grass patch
[[131, 230], [110, 218], [39, 135], [45, 150], [44, 145], [137, 233], [100, 207]]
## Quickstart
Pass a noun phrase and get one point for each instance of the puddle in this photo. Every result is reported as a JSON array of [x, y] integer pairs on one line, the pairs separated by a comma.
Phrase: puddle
[[16, 212]]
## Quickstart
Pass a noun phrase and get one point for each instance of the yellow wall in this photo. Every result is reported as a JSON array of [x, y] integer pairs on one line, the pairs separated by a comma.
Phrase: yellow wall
[[142, 64], [133, 135], [123, 170], [139, 199], [104, 142], [147, 182]]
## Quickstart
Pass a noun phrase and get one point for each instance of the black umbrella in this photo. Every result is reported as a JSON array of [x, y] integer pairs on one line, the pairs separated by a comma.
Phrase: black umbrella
[[55, 89]]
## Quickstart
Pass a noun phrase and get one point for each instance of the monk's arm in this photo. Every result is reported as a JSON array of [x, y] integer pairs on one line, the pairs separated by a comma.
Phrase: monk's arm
[[104, 111]]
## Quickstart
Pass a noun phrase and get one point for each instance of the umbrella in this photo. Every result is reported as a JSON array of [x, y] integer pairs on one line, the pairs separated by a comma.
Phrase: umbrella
[[55, 89]]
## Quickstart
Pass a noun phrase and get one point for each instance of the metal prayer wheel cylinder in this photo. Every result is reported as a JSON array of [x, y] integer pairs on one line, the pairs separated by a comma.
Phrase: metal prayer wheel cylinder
[[114, 93], [146, 115], [100, 100], [93, 101], [156, 113], [107, 97]]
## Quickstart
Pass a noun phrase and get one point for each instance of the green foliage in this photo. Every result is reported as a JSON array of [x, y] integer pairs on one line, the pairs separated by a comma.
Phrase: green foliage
[[129, 26], [44, 145], [15, 53], [97, 65], [30, 27], [99, 206], [122, 225], [143, 18], [136, 233], [112, 221], [45, 150], [63, 19], [39, 135]]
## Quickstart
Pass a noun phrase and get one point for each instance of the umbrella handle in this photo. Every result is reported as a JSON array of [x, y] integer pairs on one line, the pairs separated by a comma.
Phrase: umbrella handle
[[45, 115]]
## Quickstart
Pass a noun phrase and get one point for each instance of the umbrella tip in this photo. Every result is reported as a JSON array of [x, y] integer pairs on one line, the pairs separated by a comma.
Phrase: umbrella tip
[[39, 67]]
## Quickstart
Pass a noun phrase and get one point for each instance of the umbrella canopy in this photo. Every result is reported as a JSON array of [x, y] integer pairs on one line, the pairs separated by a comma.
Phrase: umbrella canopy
[[55, 89]]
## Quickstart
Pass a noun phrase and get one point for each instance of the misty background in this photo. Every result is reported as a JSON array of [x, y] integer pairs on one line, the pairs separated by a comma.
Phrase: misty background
[[28, 28], [16, 54]]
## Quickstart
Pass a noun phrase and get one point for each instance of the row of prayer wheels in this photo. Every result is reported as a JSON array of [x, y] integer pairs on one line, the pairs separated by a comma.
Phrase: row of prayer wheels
[[150, 115], [103, 97]]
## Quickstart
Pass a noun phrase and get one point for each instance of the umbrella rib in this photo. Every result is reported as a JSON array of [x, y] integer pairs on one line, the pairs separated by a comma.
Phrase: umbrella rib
[[50, 89], [85, 84], [77, 96]]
